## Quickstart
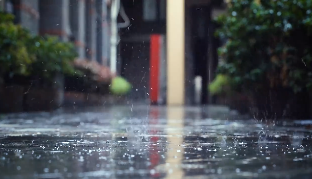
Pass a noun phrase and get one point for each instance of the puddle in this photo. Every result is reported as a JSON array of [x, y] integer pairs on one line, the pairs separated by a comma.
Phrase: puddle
[[151, 143]]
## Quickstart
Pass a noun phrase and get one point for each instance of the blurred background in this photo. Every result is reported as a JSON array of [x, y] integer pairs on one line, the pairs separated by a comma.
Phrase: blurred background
[[252, 56], [155, 89]]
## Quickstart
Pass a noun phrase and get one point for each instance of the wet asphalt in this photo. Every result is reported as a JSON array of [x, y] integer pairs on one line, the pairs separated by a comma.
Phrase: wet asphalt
[[145, 142]]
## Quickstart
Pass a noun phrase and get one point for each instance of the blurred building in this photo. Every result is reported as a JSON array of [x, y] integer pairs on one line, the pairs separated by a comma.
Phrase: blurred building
[[160, 46], [85, 22]]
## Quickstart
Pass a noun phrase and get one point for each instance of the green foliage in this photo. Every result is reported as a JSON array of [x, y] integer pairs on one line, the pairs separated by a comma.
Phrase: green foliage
[[269, 44], [220, 85], [120, 86], [52, 57], [6, 18], [14, 55], [22, 54]]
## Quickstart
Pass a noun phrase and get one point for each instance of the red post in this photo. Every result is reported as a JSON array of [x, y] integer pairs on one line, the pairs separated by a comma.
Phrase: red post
[[154, 68]]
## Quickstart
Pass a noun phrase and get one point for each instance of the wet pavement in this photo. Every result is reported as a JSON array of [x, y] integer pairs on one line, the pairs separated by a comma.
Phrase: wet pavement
[[152, 142]]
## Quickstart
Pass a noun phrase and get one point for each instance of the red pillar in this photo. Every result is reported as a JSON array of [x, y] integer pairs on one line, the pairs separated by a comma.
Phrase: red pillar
[[154, 67]]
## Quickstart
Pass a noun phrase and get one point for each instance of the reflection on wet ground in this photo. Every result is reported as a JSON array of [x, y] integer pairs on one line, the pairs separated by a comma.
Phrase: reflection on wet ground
[[152, 142]]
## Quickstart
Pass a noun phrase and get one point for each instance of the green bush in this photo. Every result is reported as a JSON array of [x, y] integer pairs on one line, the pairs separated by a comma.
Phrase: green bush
[[52, 57], [220, 85], [14, 55], [22, 54], [269, 44]]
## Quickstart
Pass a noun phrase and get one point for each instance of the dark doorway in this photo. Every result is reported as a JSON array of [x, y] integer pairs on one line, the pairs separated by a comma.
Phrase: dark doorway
[[200, 42], [134, 47], [135, 68]]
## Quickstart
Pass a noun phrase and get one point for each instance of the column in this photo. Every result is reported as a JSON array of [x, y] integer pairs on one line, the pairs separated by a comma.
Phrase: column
[[2, 5], [77, 24], [27, 14], [99, 31], [90, 30], [102, 31], [175, 52], [54, 18]]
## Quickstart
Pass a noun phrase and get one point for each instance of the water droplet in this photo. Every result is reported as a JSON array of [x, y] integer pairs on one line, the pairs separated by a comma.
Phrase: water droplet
[[152, 172]]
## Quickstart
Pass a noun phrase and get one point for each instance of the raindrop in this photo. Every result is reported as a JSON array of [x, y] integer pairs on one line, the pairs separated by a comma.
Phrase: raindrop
[[46, 170], [237, 170], [152, 172], [18, 167]]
